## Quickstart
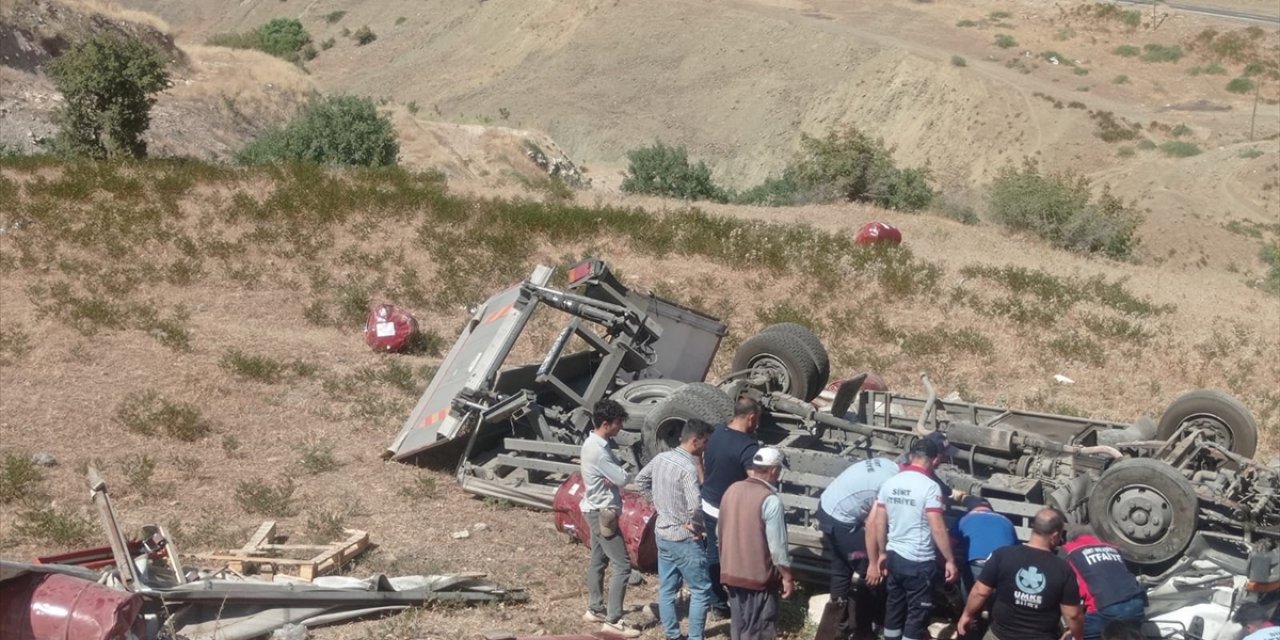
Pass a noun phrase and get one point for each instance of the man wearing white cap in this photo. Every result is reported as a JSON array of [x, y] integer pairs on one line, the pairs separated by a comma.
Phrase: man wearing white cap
[[755, 564]]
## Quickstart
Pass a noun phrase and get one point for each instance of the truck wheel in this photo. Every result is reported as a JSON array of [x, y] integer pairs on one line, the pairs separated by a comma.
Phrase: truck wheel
[[811, 342], [719, 400], [1146, 508], [665, 421], [641, 396], [1229, 421], [785, 356]]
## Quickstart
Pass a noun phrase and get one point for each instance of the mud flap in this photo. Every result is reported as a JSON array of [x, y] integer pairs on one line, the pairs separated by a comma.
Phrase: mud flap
[[829, 625]]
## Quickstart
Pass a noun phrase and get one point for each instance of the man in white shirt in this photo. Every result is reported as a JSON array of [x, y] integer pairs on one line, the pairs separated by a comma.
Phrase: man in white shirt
[[905, 531], [603, 477]]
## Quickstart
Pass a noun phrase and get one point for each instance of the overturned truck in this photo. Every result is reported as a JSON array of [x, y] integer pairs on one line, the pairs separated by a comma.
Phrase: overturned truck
[[1181, 490]]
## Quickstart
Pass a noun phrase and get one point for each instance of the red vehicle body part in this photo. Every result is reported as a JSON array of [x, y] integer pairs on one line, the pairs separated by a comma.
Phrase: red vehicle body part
[[873, 383], [49, 606], [635, 522], [92, 557], [878, 233], [389, 328]]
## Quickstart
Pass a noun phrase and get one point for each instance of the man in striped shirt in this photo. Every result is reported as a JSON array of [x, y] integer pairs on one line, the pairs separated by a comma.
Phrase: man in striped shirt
[[672, 480]]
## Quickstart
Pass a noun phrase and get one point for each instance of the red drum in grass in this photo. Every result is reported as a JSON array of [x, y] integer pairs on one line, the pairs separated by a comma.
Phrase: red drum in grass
[[389, 328], [878, 233], [53, 605], [635, 522]]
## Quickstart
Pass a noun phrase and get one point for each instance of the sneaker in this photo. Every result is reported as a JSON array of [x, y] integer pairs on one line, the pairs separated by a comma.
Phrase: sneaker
[[620, 629], [591, 616]]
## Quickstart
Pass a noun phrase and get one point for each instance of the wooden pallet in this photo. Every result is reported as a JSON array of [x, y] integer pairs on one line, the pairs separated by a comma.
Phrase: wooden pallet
[[261, 554]]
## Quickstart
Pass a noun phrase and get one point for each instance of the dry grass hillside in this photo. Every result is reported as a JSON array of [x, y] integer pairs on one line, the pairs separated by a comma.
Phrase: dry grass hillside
[[195, 331], [737, 82]]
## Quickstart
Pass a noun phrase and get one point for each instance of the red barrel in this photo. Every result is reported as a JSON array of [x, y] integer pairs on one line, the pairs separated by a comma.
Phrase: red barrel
[[878, 233], [39, 606], [635, 522], [389, 328]]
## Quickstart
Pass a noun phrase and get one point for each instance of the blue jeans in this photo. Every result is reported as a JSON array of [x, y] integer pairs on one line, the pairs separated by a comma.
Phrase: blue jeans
[[1132, 610], [677, 560]]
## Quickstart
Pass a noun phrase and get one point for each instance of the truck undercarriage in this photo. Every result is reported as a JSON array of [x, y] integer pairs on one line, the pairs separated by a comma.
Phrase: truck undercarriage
[[1173, 493]]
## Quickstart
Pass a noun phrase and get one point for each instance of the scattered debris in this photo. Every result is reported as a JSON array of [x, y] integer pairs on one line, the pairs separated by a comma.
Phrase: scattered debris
[[262, 554], [1061, 379], [44, 460], [136, 588], [461, 535]]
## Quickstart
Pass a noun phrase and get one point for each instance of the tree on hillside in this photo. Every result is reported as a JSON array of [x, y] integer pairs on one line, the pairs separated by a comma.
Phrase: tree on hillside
[[665, 171], [108, 84], [336, 130]]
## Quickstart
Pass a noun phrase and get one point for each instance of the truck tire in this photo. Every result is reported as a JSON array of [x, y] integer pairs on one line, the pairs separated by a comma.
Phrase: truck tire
[[640, 397], [665, 421], [811, 342], [712, 394], [787, 357], [1147, 509], [1230, 421]]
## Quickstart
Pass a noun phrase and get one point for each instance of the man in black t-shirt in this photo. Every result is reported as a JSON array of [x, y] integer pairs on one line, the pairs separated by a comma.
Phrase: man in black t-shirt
[[1032, 586], [728, 455]]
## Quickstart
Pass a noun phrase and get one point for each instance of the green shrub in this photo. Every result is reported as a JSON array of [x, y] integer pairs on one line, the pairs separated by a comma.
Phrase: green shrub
[[316, 456], [851, 165], [1179, 149], [966, 23], [327, 44], [18, 478], [147, 413], [1061, 209], [1125, 152], [334, 16], [108, 86], [958, 61], [1250, 152], [284, 38], [999, 15], [1120, 79], [57, 526], [1146, 144], [256, 496], [908, 190], [1240, 85], [661, 170], [1180, 130], [1153, 52], [364, 35], [253, 367], [1126, 51], [1270, 255], [336, 130], [1005, 41]]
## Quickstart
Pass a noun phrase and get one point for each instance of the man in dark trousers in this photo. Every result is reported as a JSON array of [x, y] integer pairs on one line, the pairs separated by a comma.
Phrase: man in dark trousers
[[1110, 592], [1033, 588], [908, 533], [725, 461], [603, 477], [755, 563], [842, 515]]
